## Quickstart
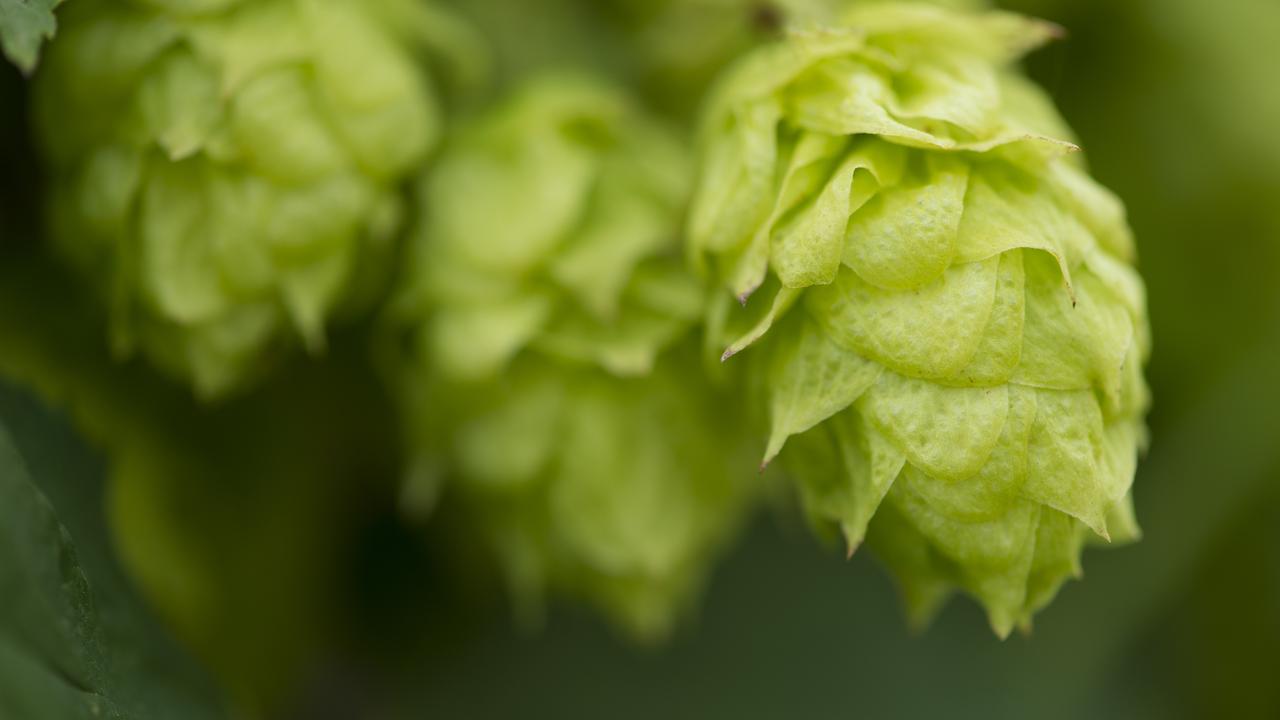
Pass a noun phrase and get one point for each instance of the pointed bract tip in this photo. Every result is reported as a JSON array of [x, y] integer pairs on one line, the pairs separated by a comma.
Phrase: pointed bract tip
[[774, 448], [745, 294], [853, 539], [851, 550]]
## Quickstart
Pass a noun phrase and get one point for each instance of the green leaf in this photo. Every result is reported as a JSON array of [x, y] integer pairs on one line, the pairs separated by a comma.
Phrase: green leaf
[[228, 519], [24, 25], [75, 641]]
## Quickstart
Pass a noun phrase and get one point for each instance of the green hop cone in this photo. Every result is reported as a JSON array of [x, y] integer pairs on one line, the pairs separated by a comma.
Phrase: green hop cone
[[616, 491], [238, 183], [556, 381], [555, 223], [951, 334]]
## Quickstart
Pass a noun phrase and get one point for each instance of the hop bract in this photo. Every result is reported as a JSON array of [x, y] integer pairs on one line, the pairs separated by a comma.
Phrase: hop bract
[[226, 170], [950, 330], [556, 383]]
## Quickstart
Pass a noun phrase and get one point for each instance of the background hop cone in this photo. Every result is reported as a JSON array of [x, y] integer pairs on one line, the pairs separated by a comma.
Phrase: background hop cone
[[553, 319], [239, 172], [951, 325], [555, 224]]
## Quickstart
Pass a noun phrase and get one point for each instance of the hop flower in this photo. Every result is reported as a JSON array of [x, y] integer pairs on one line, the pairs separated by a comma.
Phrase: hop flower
[[555, 224], [240, 171], [555, 380], [951, 332]]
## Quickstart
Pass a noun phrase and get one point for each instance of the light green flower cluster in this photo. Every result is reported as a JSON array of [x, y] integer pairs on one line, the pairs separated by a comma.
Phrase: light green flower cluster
[[227, 170], [951, 334], [555, 222], [557, 384]]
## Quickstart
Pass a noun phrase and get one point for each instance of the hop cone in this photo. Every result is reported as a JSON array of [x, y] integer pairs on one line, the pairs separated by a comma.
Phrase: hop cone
[[951, 332], [553, 327], [239, 173]]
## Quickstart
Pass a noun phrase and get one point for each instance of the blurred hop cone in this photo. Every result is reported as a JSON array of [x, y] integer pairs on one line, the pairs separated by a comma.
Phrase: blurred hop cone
[[951, 333], [555, 378], [226, 171]]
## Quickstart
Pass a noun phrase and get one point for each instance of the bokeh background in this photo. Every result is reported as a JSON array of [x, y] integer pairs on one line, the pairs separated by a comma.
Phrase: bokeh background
[[310, 596]]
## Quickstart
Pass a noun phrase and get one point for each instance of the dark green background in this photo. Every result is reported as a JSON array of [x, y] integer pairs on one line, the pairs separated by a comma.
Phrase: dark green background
[[1178, 108]]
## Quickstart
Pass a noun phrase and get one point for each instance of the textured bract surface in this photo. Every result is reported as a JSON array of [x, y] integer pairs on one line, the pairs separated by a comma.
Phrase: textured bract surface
[[553, 380], [951, 334], [239, 171]]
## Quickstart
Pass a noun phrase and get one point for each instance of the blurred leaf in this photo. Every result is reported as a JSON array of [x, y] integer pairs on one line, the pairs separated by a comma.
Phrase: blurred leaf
[[234, 519], [74, 641], [24, 25]]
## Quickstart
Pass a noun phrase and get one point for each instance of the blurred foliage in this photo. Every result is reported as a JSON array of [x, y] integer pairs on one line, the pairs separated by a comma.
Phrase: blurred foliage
[[76, 641], [230, 518], [24, 25]]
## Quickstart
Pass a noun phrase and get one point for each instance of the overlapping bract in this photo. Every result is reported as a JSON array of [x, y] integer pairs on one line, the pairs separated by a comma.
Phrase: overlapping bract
[[227, 169], [554, 381], [951, 332]]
